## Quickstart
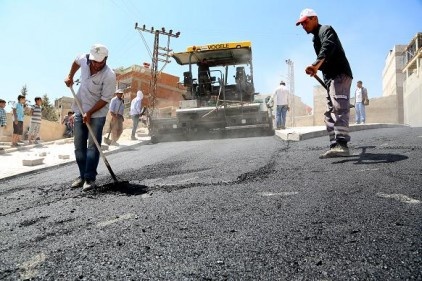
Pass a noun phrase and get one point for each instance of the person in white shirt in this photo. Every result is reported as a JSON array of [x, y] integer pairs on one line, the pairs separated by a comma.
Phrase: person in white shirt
[[361, 97], [117, 108], [135, 112], [98, 84], [280, 98]]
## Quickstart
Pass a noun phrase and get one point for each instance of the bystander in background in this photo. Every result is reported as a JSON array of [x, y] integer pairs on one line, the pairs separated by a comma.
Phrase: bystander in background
[[68, 122], [117, 108], [34, 129], [135, 112], [3, 117], [280, 98], [361, 99], [18, 115]]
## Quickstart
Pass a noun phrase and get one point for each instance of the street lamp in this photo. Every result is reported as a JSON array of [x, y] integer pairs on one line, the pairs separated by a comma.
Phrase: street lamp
[[291, 76]]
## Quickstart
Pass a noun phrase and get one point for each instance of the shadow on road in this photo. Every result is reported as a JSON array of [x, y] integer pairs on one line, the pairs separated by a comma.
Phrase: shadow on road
[[372, 158]]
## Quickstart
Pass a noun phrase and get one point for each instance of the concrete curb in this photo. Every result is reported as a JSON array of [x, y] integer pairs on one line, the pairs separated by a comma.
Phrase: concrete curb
[[298, 134], [29, 146], [119, 149]]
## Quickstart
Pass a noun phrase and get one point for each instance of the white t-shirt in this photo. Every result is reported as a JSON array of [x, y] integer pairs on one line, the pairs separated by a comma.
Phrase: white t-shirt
[[100, 86], [281, 95], [136, 104], [358, 95]]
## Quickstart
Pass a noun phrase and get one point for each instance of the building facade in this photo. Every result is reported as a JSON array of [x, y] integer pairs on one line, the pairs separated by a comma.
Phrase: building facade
[[393, 77], [412, 86], [168, 90], [63, 105]]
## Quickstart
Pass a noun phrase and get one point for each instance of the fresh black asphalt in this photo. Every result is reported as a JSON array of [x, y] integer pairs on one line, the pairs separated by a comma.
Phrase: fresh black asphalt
[[230, 209]]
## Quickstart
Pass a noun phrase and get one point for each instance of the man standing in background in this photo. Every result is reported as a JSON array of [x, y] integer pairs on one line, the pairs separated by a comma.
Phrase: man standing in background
[[361, 99], [135, 112], [117, 108], [281, 99]]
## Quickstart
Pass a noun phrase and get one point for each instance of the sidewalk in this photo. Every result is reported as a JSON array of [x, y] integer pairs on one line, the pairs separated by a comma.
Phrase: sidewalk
[[62, 151], [54, 153]]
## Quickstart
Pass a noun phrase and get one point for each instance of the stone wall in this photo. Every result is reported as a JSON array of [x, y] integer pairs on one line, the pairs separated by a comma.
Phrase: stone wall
[[49, 130], [304, 121], [380, 110]]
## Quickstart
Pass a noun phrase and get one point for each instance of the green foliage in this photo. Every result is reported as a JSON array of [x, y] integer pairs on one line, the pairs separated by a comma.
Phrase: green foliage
[[48, 111], [24, 90]]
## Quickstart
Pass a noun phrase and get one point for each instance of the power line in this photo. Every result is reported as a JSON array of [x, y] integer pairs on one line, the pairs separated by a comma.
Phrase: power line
[[156, 56]]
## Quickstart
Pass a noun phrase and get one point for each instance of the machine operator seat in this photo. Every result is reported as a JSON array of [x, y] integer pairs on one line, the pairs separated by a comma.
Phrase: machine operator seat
[[204, 78], [243, 87]]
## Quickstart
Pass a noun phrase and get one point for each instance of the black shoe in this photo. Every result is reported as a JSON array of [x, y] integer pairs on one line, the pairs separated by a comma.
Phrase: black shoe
[[342, 143]]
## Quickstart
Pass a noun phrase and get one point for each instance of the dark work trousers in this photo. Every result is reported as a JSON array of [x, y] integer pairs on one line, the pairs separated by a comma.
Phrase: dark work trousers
[[338, 109]]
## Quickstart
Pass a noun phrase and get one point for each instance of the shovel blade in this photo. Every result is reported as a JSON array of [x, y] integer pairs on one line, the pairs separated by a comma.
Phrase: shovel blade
[[107, 141]]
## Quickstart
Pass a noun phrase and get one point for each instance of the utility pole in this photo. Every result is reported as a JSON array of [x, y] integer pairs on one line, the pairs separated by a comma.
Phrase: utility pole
[[291, 77], [156, 58]]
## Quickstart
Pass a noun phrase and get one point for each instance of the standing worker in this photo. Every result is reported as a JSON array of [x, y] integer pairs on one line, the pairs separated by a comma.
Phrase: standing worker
[[135, 112], [281, 96], [361, 99], [117, 108], [332, 61], [98, 83]]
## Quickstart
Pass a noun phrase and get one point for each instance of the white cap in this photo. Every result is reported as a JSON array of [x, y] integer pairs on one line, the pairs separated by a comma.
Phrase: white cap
[[306, 13], [98, 52], [119, 91]]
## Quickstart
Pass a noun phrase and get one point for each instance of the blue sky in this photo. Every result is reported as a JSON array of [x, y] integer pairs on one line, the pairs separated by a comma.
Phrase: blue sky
[[40, 39]]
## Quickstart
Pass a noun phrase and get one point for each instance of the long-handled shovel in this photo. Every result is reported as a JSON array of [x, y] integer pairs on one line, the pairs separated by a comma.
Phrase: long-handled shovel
[[107, 139], [325, 86], [78, 103], [320, 81]]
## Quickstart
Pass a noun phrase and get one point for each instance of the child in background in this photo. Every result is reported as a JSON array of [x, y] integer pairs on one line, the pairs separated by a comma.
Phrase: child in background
[[68, 122], [3, 117], [18, 115], [34, 129]]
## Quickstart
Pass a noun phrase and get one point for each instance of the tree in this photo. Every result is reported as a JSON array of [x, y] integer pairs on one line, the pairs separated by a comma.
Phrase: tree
[[48, 111], [24, 90]]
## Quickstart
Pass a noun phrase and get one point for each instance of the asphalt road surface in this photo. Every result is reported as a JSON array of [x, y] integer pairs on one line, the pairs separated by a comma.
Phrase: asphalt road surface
[[232, 209]]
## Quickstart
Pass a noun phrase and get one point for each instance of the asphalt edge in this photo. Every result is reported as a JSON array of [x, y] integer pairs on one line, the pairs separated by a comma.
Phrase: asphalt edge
[[287, 135], [122, 148]]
